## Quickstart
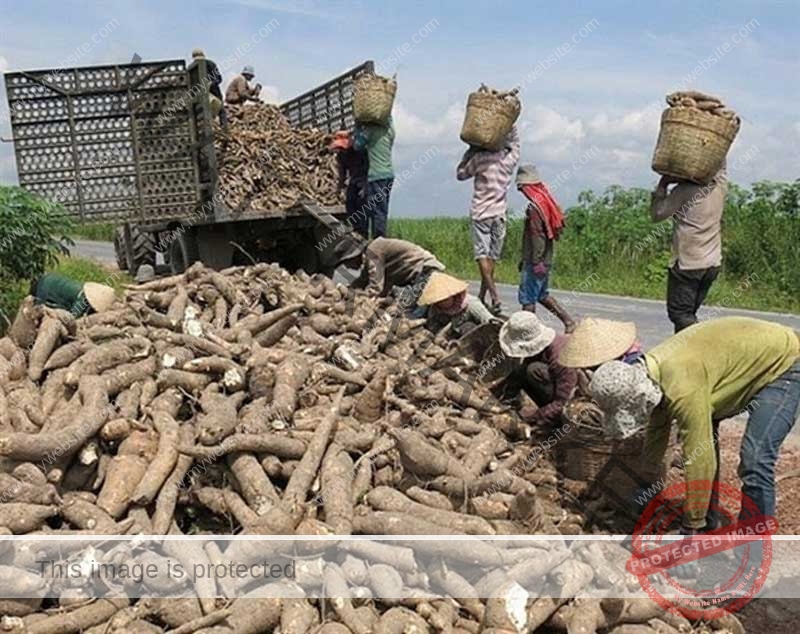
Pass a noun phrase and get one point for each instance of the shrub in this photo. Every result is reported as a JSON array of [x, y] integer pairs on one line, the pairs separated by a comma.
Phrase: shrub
[[33, 233]]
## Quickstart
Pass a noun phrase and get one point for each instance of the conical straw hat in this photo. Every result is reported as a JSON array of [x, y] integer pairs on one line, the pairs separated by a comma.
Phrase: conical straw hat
[[596, 341], [440, 286], [99, 296]]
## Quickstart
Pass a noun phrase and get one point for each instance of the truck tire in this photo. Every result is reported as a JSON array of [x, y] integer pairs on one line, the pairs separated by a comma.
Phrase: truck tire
[[119, 249], [183, 252], [144, 249]]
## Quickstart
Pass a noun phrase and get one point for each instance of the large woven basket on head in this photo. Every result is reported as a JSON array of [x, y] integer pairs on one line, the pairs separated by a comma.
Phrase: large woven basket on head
[[373, 98], [489, 118], [584, 452], [692, 143]]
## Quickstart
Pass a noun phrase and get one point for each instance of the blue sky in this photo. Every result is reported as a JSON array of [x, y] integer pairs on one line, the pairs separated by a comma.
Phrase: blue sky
[[589, 120]]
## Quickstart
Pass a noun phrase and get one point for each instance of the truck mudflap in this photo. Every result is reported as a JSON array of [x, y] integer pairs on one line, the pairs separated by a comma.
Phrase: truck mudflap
[[329, 230]]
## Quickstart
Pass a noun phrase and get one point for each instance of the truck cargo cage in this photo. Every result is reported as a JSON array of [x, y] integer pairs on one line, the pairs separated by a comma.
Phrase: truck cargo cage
[[328, 107], [94, 139]]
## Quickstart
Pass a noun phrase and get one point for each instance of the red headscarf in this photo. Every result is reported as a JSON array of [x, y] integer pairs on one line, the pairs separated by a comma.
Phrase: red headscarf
[[540, 196]]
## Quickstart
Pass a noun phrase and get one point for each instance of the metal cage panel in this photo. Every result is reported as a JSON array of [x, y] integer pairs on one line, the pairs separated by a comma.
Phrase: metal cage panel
[[107, 142], [328, 107]]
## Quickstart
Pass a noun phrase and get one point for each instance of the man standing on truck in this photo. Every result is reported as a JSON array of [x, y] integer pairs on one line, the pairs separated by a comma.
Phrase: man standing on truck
[[378, 141], [239, 90], [214, 79], [492, 172], [353, 168], [696, 213]]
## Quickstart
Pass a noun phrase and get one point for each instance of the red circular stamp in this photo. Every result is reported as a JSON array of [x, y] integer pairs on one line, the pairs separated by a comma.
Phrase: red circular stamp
[[735, 558]]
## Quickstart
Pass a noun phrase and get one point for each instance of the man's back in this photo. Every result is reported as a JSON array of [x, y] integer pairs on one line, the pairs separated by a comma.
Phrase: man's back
[[378, 141], [696, 211], [237, 90], [492, 172], [726, 360], [390, 262]]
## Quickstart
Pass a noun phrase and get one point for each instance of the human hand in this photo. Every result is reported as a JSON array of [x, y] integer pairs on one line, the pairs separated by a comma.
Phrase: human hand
[[666, 181], [540, 270]]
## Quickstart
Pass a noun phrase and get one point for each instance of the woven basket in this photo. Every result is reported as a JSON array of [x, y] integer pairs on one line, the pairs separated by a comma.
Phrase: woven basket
[[489, 119], [583, 452], [373, 99], [692, 143]]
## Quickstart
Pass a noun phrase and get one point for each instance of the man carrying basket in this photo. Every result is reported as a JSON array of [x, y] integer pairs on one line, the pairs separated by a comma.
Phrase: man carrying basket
[[696, 213], [492, 173]]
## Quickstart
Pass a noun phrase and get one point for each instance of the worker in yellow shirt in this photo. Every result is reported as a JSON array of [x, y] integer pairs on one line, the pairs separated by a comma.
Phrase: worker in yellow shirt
[[708, 372]]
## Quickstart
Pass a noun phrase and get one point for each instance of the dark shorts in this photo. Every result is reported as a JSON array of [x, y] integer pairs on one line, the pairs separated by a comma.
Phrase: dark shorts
[[532, 289]]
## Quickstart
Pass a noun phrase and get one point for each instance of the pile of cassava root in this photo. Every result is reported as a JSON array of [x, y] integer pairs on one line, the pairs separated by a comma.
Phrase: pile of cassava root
[[266, 164], [253, 401]]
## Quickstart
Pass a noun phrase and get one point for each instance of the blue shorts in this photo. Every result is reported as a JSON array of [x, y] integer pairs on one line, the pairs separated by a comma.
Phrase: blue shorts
[[532, 289]]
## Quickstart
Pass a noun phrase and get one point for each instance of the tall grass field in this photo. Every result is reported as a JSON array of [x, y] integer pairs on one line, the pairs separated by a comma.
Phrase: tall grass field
[[611, 246]]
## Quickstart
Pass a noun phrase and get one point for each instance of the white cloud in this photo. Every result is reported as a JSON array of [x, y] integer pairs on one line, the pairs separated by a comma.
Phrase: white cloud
[[412, 128], [271, 94], [554, 136], [637, 124]]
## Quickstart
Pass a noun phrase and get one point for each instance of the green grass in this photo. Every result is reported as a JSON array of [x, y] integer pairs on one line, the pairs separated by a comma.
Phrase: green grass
[[609, 246], [450, 240], [100, 232], [88, 270]]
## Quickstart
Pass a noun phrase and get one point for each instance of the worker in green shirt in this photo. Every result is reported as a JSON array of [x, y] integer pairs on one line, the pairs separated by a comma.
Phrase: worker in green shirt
[[710, 371], [59, 291], [378, 141]]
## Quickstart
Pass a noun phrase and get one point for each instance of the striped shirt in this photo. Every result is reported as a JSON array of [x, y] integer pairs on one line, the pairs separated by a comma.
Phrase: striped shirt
[[492, 172]]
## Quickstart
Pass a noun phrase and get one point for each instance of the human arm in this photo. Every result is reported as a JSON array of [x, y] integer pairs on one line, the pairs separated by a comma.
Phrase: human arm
[[565, 381], [538, 234], [373, 273], [667, 204], [477, 311], [361, 138], [467, 167], [253, 92], [80, 306], [513, 149], [693, 415], [213, 74]]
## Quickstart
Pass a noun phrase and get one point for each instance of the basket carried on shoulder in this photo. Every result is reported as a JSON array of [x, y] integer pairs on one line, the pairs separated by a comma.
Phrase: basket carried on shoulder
[[373, 98], [489, 118], [693, 143]]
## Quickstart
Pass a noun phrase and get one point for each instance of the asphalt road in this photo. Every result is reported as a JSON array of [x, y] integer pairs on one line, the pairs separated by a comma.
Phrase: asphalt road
[[650, 315]]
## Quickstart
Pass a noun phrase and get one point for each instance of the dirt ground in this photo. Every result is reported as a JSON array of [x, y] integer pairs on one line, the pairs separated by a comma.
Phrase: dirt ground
[[770, 615], [788, 490]]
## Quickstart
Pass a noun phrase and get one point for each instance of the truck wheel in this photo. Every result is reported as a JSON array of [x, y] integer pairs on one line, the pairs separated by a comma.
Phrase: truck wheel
[[183, 252], [144, 249], [119, 249]]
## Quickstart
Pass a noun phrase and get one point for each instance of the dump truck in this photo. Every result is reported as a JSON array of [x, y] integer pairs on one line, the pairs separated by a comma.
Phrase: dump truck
[[133, 145]]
